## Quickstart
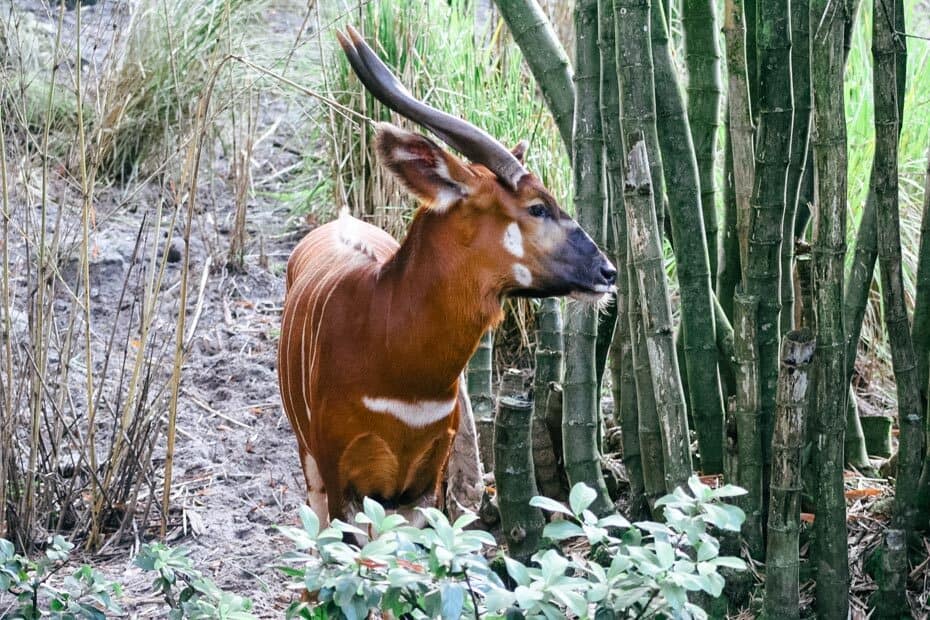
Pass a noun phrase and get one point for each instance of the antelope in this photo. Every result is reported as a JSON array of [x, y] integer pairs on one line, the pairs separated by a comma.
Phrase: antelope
[[375, 335]]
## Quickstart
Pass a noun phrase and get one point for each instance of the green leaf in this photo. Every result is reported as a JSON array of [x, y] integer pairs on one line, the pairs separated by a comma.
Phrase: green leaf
[[497, 599], [580, 497], [453, 600], [517, 571], [724, 516], [309, 520], [615, 520], [665, 554], [707, 549], [701, 491], [552, 565], [729, 490], [551, 505], [374, 511], [562, 529], [729, 562]]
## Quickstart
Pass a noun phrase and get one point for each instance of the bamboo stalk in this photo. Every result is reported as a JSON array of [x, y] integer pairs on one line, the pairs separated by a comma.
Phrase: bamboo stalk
[[478, 375], [749, 447], [546, 59], [782, 561], [647, 260], [885, 180], [773, 142], [728, 270], [652, 456], [920, 331], [581, 407], [705, 90], [800, 81], [739, 120], [828, 139], [635, 72], [521, 523], [691, 252], [6, 328], [548, 370]]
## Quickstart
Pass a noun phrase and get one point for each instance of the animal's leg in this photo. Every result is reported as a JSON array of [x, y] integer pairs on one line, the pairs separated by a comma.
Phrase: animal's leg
[[316, 489]]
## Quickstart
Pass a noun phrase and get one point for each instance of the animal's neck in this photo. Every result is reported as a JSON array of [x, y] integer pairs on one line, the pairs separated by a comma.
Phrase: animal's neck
[[440, 305]]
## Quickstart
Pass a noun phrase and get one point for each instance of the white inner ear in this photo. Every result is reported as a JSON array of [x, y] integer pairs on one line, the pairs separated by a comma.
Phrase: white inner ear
[[513, 240]]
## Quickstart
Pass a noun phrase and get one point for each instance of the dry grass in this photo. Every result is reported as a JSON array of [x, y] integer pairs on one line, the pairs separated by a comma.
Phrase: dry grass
[[86, 391]]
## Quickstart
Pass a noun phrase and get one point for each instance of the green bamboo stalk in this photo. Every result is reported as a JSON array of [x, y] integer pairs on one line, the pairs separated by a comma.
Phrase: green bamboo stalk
[[623, 380], [773, 140], [749, 446], [739, 121], [613, 165], [647, 260], [634, 68], [725, 349], [521, 523], [751, 10], [581, 407], [920, 332], [705, 90], [782, 562], [889, 601], [546, 59], [548, 369], [728, 270], [828, 138], [647, 429], [885, 182], [634, 61], [800, 80], [478, 376], [691, 256]]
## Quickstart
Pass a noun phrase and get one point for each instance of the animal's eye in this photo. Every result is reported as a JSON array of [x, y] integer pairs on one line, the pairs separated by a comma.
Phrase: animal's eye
[[538, 210]]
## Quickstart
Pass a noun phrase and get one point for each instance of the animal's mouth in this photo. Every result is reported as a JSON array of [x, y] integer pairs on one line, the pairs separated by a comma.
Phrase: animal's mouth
[[593, 294]]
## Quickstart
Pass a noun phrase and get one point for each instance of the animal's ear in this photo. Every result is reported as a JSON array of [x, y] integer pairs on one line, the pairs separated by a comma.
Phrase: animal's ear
[[519, 151], [428, 171]]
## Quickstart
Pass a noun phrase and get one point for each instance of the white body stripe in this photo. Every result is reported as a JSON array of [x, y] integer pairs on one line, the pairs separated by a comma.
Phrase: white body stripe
[[416, 415], [522, 274], [513, 240]]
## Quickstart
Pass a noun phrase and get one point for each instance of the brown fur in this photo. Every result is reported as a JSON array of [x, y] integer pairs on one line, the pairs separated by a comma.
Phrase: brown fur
[[365, 316]]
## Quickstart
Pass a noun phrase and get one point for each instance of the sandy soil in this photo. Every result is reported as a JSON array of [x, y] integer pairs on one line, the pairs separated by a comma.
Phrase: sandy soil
[[236, 468]]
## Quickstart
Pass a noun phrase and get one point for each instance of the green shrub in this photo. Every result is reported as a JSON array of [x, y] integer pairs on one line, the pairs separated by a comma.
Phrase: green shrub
[[188, 593], [441, 571], [84, 593]]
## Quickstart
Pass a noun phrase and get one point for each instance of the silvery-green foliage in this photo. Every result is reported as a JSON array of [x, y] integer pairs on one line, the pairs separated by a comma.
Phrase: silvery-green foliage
[[84, 594], [434, 572], [187, 592], [440, 571]]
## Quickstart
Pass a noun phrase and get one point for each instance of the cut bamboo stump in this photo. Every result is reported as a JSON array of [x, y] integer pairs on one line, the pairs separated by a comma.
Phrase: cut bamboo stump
[[521, 523]]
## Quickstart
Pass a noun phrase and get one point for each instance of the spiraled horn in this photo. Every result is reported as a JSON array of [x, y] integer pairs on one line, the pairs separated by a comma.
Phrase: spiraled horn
[[472, 142]]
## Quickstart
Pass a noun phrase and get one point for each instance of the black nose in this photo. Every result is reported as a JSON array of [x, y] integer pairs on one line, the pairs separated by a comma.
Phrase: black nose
[[609, 273]]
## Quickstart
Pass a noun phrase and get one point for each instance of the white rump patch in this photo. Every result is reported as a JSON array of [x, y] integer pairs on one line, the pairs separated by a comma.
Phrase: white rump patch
[[522, 274], [416, 415], [513, 240]]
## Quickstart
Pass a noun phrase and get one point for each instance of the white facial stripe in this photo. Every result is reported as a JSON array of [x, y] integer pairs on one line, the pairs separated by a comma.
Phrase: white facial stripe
[[522, 274], [513, 240], [415, 415]]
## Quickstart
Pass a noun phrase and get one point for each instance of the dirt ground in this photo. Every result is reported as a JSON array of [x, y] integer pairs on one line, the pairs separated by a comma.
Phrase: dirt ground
[[236, 472]]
